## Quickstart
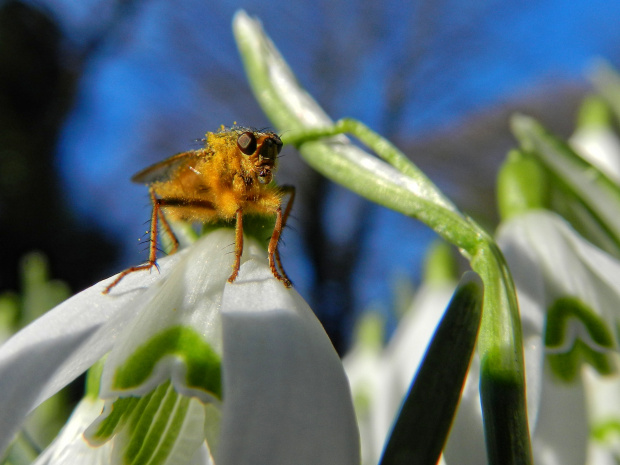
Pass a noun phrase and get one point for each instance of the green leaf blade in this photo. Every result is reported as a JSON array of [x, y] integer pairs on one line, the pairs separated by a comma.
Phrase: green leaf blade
[[422, 427]]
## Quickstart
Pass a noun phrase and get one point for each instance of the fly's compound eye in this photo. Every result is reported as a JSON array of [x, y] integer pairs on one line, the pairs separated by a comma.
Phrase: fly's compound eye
[[278, 143], [247, 143]]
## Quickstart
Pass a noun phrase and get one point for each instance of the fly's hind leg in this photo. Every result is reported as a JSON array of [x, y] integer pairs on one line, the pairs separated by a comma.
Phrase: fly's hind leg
[[274, 253], [155, 214], [174, 242]]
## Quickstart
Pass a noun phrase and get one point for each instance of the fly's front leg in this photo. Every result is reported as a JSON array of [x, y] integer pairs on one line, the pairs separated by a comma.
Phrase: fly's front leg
[[289, 206], [272, 250], [238, 244]]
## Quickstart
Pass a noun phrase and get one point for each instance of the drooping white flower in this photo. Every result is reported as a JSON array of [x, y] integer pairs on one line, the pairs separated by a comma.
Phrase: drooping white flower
[[554, 268], [595, 140], [568, 297], [233, 371]]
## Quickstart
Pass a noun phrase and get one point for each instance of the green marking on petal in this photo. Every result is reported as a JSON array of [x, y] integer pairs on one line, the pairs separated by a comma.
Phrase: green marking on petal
[[591, 350], [567, 366], [202, 362], [153, 429], [93, 380], [565, 308], [362, 399], [606, 430], [103, 430], [156, 432], [159, 402]]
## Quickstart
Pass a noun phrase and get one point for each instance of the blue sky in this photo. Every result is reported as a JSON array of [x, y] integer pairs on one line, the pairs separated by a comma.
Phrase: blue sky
[[170, 71]]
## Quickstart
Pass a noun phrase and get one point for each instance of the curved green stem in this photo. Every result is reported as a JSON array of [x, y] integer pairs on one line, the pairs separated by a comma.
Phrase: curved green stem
[[401, 186], [502, 377]]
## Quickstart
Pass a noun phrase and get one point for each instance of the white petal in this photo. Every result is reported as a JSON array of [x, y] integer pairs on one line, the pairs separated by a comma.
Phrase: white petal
[[465, 445], [600, 455], [366, 371], [601, 147], [190, 298], [70, 448], [561, 432], [603, 395], [202, 457], [53, 350], [548, 260], [287, 400], [571, 266]]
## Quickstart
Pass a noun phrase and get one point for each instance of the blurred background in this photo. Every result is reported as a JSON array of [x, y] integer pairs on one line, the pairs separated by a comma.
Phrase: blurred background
[[93, 91]]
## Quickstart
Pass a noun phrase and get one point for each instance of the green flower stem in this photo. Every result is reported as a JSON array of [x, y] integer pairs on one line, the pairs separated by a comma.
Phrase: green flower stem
[[451, 225], [502, 380], [404, 188], [382, 147], [429, 205]]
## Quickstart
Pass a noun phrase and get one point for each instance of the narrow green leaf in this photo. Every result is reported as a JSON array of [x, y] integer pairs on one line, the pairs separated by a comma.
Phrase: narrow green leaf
[[422, 427]]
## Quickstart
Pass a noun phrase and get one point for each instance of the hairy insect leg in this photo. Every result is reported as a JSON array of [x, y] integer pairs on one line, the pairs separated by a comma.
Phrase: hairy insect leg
[[289, 206], [272, 250], [152, 244], [238, 244], [167, 228]]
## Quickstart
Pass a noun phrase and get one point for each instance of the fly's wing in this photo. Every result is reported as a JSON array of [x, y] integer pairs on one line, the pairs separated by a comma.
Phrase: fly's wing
[[168, 168]]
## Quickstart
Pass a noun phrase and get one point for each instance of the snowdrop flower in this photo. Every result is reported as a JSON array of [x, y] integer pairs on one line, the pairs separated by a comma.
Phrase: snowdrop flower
[[595, 140], [198, 370], [568, 296]]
